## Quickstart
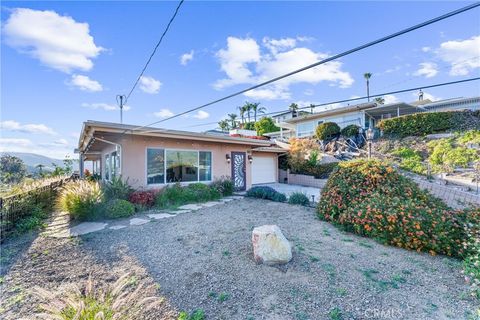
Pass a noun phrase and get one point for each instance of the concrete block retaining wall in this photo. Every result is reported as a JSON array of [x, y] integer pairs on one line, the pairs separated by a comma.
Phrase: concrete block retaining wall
[[300, 179]]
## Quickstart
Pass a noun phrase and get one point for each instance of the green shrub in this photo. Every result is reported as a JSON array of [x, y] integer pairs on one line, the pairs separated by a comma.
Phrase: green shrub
[[249, 126], [198, 314], [319, 171], [411, 160], [299, 198], [265, 192], [471, 264], [119, 208], [33, 221], [224, 185], [350, 131], [471, 136], [420, 124], [81, 199], [445, 155], [372, 199], [176, 195], [327, 130], [117, 188]]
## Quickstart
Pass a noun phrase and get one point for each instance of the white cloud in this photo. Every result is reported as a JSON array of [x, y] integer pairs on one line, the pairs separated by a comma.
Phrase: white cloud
[[56, 149], [15, 126], [84, 83], [186, 58], [426, 96], [164, 113], [426, 49], [427, 70], [149, 85], [309, 92], [201, 115], [390, 98], [104, 106], [57, 41], [244, 63], [463, 55]]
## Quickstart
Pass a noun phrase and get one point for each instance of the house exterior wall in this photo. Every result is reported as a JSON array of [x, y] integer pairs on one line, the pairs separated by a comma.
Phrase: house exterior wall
[[307, 128], [134, 149]]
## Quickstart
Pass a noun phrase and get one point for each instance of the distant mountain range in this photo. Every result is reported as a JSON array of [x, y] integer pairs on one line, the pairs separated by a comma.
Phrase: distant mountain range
[[31, 160]]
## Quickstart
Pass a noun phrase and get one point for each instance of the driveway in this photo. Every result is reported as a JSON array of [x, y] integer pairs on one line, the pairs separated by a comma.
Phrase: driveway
[[203, 259], [288, 189]]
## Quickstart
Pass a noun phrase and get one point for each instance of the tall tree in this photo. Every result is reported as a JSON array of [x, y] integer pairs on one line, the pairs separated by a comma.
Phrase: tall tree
[[293, 108], [248, 109], [367, 77], [233, 118], [265, 125], [12, 169], [379, 100]]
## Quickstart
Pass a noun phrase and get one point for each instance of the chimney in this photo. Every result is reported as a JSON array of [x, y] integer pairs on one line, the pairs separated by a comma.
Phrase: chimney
[[420, 95]]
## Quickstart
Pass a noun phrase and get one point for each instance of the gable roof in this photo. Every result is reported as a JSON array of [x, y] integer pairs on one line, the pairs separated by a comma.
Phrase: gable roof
[[90, 127]]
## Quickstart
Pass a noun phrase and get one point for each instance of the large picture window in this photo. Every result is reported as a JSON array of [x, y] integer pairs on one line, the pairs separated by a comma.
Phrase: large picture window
[[170, 166], [155, 166], [182, 166]]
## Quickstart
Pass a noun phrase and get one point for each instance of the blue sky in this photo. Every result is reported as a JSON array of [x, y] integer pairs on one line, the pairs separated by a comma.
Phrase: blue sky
[[64, 62]]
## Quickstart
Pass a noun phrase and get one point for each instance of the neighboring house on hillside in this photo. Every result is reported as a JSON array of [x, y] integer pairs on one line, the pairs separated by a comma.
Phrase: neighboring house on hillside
[[154, 158], [284, 116], [453, 104], [367, 115], [364, 115]]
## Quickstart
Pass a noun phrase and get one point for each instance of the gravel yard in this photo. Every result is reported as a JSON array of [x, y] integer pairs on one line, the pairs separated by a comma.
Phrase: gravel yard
[[204, 260]]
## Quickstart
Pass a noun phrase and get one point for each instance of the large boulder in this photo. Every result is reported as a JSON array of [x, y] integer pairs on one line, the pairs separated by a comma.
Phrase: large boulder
[[270, 245]]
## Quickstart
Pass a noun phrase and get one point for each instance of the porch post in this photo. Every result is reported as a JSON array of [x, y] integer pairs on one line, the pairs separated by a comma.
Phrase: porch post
[[81, 165]]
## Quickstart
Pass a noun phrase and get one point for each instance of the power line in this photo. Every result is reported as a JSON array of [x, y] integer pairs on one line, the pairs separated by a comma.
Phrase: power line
[[337, 56], [349, 100], [154, 49]]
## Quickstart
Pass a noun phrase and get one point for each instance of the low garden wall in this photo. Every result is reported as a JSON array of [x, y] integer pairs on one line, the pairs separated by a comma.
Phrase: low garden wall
[[301, 179]]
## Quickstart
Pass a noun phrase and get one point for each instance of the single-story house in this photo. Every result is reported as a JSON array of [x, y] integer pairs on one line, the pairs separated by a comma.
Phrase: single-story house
[[153, 157]]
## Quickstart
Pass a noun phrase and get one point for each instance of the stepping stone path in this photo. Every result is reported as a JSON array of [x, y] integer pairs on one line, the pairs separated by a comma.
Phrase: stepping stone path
[[158, 216], [138, 221], [59, 226]]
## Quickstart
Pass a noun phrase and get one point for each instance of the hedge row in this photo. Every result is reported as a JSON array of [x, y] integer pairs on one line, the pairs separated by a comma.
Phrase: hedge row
[[420, 124]]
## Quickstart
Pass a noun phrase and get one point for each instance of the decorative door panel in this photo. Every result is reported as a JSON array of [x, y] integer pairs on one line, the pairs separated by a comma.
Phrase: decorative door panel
[[239, 176]]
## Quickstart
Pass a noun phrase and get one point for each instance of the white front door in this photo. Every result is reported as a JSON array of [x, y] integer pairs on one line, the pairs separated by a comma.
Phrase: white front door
[[264, 169]]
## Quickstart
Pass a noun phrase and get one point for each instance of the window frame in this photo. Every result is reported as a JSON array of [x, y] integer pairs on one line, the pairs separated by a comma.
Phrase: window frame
[[165, 183]]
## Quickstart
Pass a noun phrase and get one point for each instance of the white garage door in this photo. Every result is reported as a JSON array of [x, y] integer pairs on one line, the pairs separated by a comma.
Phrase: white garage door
[[263, 169]]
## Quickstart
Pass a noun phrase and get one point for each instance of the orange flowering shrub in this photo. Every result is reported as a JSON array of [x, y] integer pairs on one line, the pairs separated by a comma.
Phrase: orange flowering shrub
[[371, 199]]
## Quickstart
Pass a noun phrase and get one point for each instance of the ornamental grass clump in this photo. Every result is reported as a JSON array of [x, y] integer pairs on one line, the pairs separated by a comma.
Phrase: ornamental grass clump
[[299, 198], [177, 195], [371, 199], [122, 300], [82, 199], [265, 192]]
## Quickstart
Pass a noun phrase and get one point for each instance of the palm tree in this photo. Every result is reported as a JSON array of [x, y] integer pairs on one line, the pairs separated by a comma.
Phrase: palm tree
[[367, 77], [312, 106], [248, 109], [242, 113], [233, 118], [224, 125], [379, 100], [256, 110], [293, 108]]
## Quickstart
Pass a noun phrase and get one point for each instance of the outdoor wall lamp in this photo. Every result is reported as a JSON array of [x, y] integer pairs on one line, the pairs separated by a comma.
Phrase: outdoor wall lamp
[[227, 156], [250, 158], [370, 134]]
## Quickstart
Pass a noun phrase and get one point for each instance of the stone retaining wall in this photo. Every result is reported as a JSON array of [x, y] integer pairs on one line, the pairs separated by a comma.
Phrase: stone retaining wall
[[454, 198]]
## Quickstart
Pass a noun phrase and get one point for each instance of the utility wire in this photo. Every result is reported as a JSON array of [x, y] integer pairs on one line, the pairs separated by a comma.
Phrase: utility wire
[[337, 56], [154, 50], [345, 100]]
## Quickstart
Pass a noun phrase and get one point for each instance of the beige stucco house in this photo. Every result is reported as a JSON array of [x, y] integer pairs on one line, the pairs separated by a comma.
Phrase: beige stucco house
[[154, 157]]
